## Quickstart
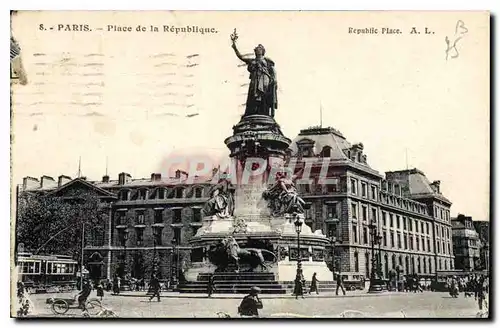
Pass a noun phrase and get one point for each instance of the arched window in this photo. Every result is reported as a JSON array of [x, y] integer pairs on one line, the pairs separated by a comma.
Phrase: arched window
[[326, 151], [198, 192], [142, 194], [179, 192], [161, 193], [170, 193], [123, 195]]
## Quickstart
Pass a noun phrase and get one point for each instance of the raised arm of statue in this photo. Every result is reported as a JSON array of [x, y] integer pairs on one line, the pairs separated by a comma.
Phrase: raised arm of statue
[[234, 37], [239, 55]]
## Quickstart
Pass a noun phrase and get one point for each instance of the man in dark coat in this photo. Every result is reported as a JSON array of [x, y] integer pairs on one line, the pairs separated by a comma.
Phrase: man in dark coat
[[250, 305], [84, 294], [210, 285], [481, 292], [340, 284], [155, 288], [314, 284]]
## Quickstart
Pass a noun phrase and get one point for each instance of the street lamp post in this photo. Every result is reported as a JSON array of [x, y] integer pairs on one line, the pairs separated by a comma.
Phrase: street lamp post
[[125, 238], [376, 285], [155, 237], [299, 287], [332, 244], [173, 270], [335, 242]]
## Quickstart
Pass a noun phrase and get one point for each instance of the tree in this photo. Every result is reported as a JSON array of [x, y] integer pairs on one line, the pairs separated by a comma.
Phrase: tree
[[53, 225]]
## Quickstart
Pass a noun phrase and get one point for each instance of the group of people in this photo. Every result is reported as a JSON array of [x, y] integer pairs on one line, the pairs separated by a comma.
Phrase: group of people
[[474, 285], [300, 289]]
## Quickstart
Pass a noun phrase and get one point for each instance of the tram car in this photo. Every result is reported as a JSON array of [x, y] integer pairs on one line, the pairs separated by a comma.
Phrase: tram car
[[47, 273]]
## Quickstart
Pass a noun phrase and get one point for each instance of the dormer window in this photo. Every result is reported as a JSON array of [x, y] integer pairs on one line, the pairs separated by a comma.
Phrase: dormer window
[[161, 193], [198, 193], [305, 147], [142, 194], [326, 151], [179, 192], [123, 195]]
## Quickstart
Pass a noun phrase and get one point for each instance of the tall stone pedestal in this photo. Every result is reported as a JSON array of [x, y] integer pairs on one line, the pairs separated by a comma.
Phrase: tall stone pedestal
[[257, 147]]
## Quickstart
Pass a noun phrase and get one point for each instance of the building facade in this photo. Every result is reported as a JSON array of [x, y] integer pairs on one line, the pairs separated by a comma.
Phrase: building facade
[[411, 216], [466, 243], [149, 222], [483, 229]]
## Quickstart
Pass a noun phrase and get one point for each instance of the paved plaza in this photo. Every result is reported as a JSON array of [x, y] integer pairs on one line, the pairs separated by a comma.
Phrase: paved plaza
[[386, 305]]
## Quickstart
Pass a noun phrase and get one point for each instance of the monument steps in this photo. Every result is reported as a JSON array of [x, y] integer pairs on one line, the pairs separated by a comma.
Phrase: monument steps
[[234, 283]]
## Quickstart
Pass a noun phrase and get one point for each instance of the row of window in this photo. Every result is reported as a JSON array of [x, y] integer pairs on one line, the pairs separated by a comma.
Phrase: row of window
[[442, 213], [394, 220], [406, 241], [158, 193], [34, 267], [125, 239], [319, 188], [122, 218], [419, 266], [403, 203], [364, 190]]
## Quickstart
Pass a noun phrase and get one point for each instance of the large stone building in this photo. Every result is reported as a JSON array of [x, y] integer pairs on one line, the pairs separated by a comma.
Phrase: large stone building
[[466, 243], [152, 220], [410, 213], [483, 229]]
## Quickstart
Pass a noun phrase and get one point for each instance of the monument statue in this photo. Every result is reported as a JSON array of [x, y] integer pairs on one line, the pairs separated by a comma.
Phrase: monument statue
[[282, 197], [221, 202], [262, 92], [228, 252]]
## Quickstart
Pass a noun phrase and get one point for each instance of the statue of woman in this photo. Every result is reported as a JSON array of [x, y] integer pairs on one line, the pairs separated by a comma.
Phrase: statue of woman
[[283, 195], [262, 93], [221, 202]]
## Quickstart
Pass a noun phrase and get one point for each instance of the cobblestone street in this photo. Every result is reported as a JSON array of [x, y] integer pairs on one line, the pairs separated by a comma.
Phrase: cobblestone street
[[388, 305]]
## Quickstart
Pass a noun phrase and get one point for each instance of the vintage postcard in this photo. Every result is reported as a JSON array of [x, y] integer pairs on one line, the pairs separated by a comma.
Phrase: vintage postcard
[[170, 164]]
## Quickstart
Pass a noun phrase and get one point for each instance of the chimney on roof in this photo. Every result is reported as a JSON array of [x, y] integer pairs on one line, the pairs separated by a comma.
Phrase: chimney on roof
[[83, 178], [435, 185], [124, 178], [30, 183], [155, 176], [105, 178], [47, 182], [63, 179]]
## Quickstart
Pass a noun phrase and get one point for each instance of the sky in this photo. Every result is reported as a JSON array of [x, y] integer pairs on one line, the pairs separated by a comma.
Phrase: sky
[[124, 97]]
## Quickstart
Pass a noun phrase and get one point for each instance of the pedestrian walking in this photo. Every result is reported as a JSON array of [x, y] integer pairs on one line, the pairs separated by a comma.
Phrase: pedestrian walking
[[340, 284], [250, 305], [299, 285], [481, 293], [100, 289], [314, 284], [116, 285], [155, 288], [210, 285]]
